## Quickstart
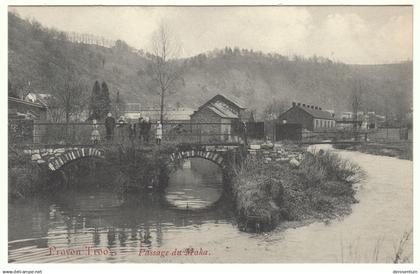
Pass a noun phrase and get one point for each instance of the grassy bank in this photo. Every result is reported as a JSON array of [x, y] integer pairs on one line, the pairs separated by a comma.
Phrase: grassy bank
[[401, 150], [320, 188]]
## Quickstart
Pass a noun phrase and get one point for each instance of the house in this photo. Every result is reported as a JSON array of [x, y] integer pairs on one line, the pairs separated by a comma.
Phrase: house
[[23, 109], [311, 117], [219, 118], [22, 115]]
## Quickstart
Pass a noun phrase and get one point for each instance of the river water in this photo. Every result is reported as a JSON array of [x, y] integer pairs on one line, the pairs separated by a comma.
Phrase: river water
[[104, 227]]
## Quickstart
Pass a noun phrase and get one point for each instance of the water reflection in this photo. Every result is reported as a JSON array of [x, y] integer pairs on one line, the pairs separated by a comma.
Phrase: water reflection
[[98, 219], [196, 184]]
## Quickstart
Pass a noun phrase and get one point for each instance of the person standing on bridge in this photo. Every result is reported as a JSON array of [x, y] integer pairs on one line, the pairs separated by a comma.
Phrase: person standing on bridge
[[147, 128], [159, 133], [95, 136], [109, 126]]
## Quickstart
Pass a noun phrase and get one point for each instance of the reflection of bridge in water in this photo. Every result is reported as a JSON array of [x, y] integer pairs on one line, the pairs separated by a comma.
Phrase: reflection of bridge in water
[[108, 221]]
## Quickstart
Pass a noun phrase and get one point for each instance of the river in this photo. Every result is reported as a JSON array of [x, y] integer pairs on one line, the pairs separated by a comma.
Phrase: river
[[103, 227]]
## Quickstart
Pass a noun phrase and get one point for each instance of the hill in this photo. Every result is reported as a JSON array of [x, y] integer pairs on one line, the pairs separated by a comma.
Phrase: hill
[[40, 56]]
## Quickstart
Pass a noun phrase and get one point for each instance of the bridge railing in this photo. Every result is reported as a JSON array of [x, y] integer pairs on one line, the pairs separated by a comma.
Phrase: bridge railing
[[80, 133]]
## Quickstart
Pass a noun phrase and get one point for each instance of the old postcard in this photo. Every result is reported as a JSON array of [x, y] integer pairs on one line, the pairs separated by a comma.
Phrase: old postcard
[[210, 134]]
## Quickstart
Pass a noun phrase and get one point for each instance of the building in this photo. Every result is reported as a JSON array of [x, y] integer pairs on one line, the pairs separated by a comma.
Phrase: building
[[22, 115], [311, 117], [219, 118], [22, 109]]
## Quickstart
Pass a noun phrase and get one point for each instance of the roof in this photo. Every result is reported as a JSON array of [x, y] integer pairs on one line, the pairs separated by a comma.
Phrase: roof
[[317, 113], [233, 100], [222, 112], [20, 101]]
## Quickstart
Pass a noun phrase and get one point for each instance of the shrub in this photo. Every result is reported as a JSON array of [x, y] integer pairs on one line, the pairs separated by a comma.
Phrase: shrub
[[318, 167]]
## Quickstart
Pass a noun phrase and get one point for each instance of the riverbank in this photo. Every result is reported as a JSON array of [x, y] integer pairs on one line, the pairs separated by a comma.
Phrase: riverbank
[[318, 187], [400, 150]]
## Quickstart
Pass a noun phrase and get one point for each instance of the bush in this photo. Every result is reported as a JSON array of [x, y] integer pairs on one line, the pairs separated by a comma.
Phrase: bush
[[318, 167]]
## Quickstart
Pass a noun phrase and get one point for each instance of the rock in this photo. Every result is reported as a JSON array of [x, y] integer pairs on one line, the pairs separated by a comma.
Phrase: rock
[[59, 150], [36, 157], [27, 151], [278, 146], [268, 159], [267, 145], [40, 161], [293, 162], [255, 147]]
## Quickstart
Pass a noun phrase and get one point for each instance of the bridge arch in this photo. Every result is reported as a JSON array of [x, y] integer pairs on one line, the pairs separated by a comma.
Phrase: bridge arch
[[56, 162], [212, 156]]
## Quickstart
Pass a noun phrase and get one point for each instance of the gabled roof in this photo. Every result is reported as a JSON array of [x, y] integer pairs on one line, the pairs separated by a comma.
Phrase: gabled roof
[[222, 112], [317, 113], [17, 100], [233, 100]]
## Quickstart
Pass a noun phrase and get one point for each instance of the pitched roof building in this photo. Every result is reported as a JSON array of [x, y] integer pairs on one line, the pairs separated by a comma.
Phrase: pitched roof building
[[220, 113], [309, 116]]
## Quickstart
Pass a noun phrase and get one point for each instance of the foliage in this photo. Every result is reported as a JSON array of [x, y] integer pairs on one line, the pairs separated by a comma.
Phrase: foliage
[[256, 78], [319, 166], [100, 103]]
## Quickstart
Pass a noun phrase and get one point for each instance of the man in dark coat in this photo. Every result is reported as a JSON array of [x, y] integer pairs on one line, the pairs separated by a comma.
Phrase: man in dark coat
[[109, 126], [140, 128]]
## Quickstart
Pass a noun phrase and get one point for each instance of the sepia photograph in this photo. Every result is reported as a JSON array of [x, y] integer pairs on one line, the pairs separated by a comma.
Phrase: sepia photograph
[[209, 134]]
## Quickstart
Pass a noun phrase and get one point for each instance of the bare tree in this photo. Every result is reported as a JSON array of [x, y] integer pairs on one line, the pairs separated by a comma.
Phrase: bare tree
[[356, 99], [68, 98], [164, 70], [356, 104]]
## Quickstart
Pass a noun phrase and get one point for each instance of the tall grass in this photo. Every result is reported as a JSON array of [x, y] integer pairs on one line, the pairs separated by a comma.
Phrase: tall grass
[[319, 166]]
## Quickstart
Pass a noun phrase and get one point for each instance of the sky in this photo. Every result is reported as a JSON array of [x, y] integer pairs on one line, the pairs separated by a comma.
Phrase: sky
[[349, 34]]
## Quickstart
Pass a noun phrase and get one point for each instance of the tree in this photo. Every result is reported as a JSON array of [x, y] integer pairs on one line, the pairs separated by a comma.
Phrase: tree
[[356, 98], [105, 100], [275, 108], [95, 102], [119, 106], [12, 90], [356, 104], [68, 97], [164, 70]]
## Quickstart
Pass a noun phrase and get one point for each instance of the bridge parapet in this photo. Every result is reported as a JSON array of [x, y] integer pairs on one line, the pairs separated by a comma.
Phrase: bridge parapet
[[55, 158]]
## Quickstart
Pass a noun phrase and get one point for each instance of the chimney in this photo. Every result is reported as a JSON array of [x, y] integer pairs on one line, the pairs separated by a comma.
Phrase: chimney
[[298, 104], [316, 107], [320, 108], [293, 104], [333, 115], [303, 105], [312, 107]]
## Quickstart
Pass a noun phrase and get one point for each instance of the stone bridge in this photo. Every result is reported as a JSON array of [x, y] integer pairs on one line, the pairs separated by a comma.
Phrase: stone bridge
[[216, 157], [55, 158]]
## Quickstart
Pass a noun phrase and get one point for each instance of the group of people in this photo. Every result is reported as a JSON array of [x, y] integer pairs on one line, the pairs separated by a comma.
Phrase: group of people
[[141, 129]]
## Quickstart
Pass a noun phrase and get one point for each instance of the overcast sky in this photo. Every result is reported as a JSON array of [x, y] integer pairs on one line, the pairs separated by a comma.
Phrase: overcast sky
[[365, 35]]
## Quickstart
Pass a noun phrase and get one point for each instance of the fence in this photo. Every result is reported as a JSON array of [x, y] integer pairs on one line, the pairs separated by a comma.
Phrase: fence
[[30, 132]]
